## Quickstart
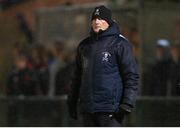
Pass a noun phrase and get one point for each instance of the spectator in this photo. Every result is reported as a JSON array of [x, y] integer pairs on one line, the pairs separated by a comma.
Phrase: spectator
[[22, 79], [106, 74], [40, 64], [64, 75], [158, 74], [55, 65], [175, 69]]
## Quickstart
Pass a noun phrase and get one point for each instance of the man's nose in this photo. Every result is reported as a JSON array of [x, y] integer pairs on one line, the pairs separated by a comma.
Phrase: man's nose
[[97, 21]]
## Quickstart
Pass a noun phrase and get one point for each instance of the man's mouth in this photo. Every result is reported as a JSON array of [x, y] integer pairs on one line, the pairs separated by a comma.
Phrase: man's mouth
[[97, 27]]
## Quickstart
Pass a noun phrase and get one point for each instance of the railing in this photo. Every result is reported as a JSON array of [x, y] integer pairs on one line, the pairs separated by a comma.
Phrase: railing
[[52, 111]]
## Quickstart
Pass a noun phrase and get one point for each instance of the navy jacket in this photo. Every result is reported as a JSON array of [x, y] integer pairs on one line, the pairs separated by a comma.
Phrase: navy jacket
[[106, 73]]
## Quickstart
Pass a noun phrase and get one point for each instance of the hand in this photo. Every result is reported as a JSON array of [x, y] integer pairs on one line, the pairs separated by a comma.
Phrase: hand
[[119, 116], [123, 110]]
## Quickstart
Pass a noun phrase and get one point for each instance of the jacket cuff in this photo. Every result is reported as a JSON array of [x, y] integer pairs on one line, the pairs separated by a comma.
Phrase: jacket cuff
[[128, 101], [126, 107]]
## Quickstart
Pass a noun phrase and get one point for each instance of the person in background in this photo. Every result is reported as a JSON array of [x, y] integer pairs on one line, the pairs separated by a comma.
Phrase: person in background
[[56, 64], [159, 72], [40, 64], [175, 69], [106, 74], [64, 74], [22, 79]]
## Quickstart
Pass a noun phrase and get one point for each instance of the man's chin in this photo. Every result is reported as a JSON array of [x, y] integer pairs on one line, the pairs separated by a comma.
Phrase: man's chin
[[97, 31]]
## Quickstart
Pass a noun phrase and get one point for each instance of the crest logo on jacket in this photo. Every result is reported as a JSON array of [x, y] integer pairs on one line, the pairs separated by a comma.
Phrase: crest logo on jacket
[[106, 56]]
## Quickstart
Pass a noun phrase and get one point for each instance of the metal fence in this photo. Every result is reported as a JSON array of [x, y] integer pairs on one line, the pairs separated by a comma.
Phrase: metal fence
[[48, 112]]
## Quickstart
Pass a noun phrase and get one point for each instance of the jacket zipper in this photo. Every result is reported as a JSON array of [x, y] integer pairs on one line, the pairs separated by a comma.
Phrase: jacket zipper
[[93, 66]]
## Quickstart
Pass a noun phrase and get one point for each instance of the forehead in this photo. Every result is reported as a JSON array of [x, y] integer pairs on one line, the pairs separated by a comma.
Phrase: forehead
[[99, 18]]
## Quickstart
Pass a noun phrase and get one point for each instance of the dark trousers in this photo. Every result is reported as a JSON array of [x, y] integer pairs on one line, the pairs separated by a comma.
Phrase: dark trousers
[[100, 120]]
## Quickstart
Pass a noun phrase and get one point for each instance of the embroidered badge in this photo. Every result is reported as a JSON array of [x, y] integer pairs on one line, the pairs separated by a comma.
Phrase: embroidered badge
[[105, 56], [97, 12]]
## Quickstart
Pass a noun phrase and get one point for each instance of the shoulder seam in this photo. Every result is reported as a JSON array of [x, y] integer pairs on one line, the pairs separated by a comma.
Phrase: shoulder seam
[[120, 35]]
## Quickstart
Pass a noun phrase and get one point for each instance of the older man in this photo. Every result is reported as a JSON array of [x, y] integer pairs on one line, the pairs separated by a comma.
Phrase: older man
[[106, 74]]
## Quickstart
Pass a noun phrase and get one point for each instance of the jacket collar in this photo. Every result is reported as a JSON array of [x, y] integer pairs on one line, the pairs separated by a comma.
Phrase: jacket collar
[[110, 31]]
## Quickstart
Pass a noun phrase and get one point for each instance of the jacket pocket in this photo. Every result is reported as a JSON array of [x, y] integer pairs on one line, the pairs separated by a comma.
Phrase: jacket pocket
[[104, 91]]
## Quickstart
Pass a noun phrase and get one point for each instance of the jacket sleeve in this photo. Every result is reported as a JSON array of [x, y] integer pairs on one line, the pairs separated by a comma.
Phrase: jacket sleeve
[[129, 72], [76, 80]]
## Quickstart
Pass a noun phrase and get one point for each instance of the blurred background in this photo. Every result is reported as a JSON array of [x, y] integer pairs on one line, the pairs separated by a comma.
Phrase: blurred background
[[38, 40]]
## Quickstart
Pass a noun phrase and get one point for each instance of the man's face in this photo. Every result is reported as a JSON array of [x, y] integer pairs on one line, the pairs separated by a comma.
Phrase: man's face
[[21, 63], [160, 52], [99, 24]]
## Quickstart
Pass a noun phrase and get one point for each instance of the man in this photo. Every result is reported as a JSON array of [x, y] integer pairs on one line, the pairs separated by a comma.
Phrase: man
[[106, 74], [158, 75], [55, 65], [39, 60], [175, 69], [22, 80]]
